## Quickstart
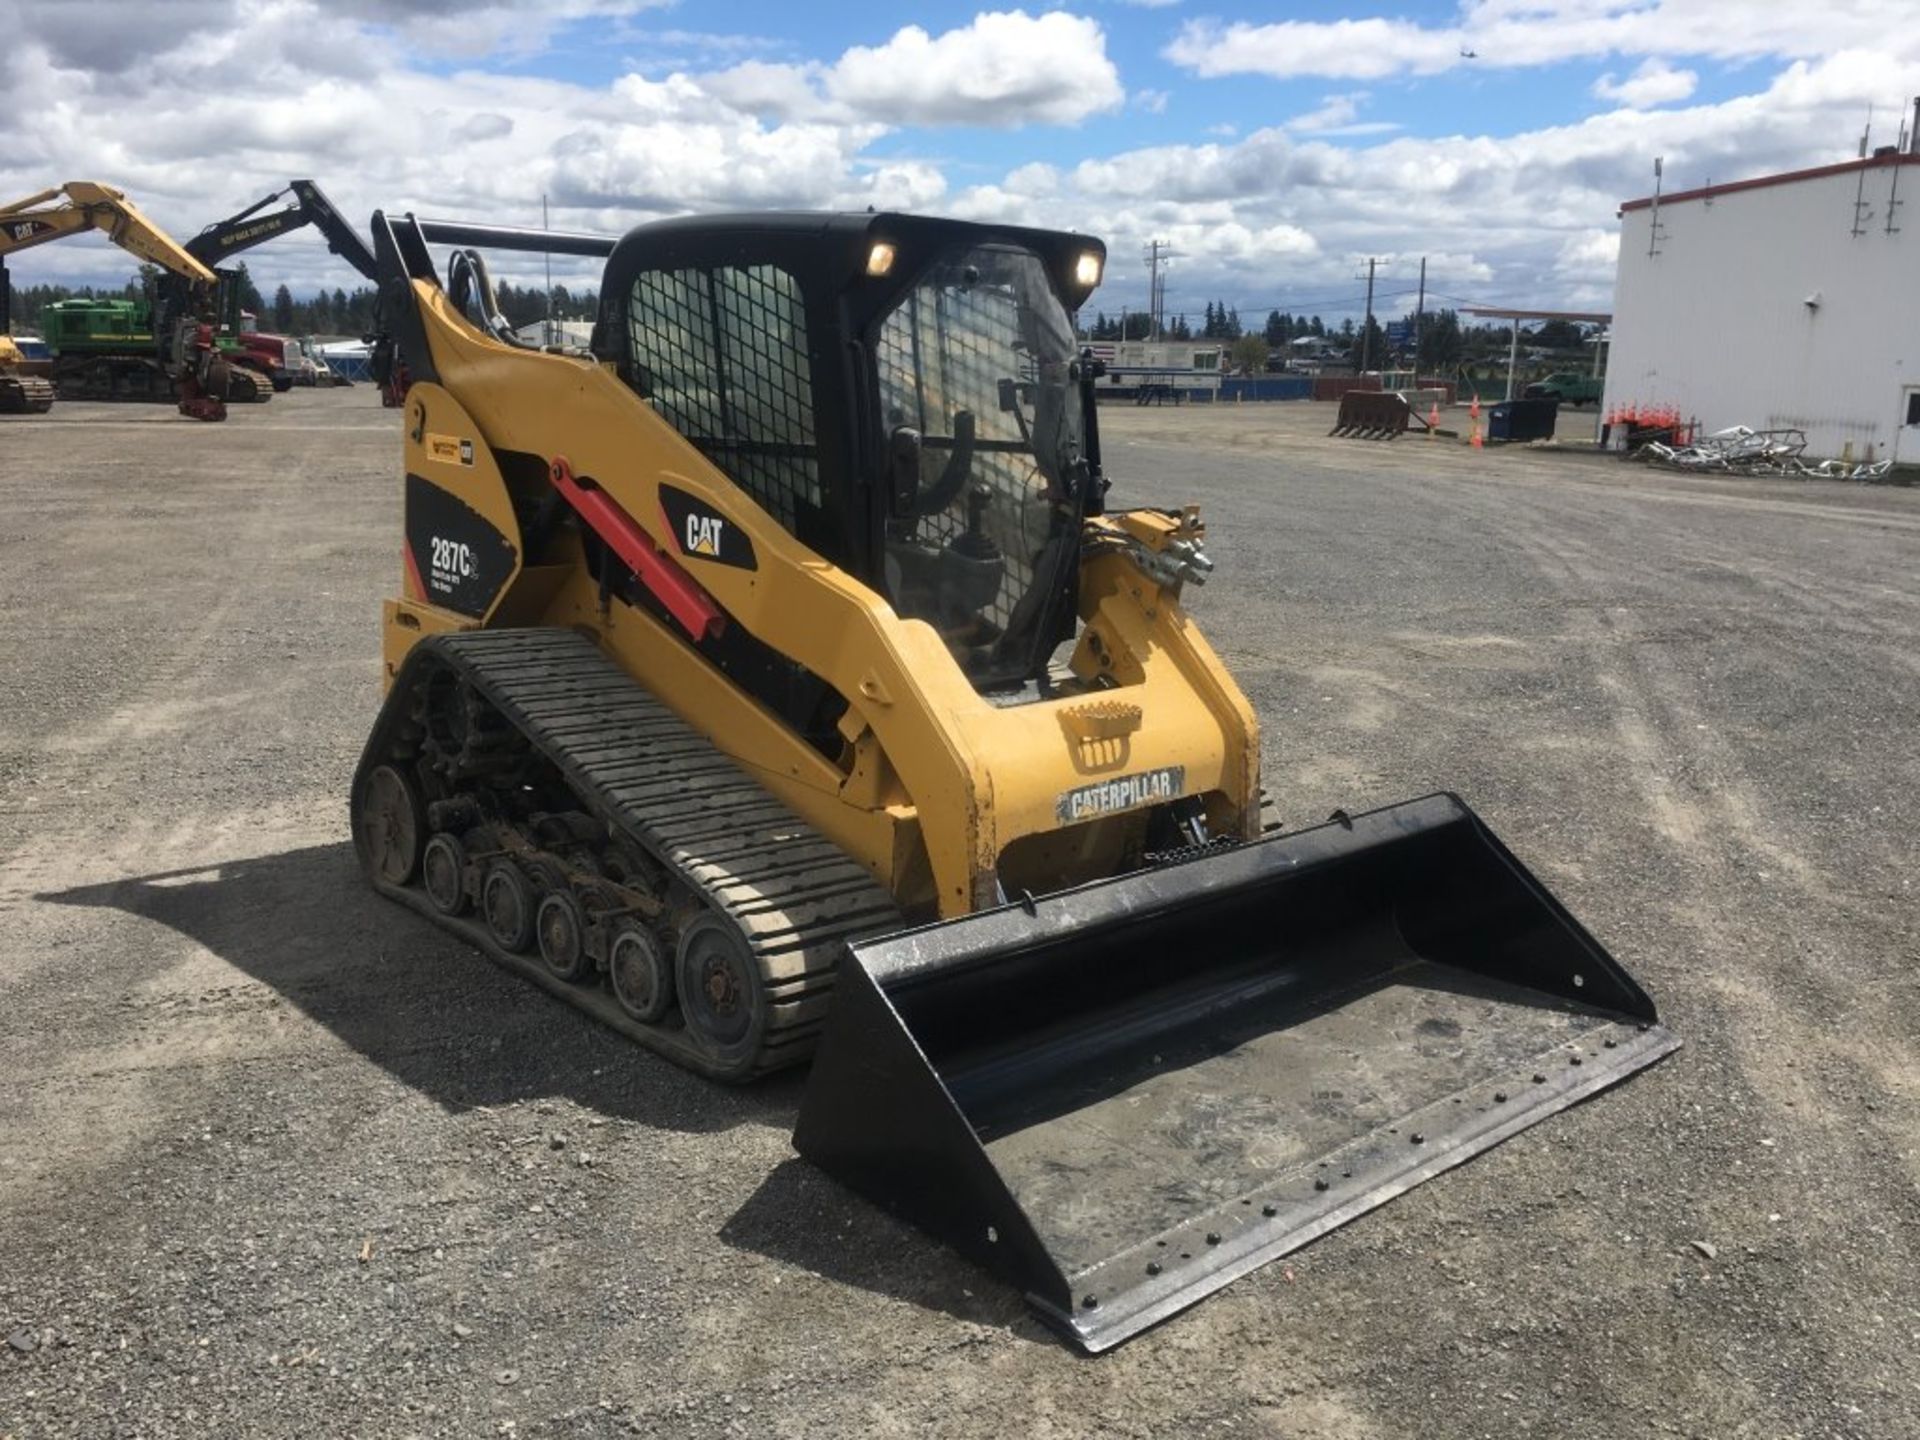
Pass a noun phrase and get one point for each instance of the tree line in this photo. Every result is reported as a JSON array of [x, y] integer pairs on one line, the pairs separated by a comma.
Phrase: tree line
[[352, 313], [1436, 342], [325, 312]]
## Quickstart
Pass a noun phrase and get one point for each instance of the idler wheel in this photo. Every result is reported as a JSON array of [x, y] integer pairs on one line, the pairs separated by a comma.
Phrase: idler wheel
[[390, 825], [720, 992]]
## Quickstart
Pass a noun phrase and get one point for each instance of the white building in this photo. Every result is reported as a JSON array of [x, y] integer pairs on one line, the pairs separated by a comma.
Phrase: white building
[[1785, 302], [1187, 364], [577, 333]]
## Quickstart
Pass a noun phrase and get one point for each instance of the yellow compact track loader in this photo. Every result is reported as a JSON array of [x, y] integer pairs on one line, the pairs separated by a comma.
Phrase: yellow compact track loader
[[774, 681]]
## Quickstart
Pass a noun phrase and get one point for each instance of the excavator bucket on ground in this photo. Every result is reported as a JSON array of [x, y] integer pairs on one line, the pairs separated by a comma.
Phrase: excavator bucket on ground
[[1123, 1096], [1371, 415]]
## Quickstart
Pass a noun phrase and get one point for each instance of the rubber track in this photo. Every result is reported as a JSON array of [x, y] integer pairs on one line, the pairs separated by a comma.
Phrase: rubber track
[[25, 395], [246, 386], [796, 898]]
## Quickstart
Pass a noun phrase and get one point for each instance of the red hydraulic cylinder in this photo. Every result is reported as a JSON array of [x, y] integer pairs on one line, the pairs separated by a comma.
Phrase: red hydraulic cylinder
[[697, 611]]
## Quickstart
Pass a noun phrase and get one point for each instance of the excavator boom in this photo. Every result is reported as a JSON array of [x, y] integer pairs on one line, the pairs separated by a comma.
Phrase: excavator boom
[[88, 205]]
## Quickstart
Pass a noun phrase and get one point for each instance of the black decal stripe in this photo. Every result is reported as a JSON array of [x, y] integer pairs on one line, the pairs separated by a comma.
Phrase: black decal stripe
[[462, 558]]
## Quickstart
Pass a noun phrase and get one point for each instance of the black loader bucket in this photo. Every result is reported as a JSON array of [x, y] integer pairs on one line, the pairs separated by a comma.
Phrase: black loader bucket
[[1371, 415], [1122, 1097]]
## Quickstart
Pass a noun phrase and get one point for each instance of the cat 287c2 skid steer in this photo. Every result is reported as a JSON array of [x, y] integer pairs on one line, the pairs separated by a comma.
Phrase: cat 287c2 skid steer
[[777, 682]]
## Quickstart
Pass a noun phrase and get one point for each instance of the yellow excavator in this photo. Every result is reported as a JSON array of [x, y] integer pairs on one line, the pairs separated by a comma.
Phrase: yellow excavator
[[776, 679], [181, 357]]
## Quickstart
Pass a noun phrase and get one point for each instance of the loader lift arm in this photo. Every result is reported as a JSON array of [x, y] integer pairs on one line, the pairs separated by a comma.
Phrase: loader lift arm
[[467, 276]]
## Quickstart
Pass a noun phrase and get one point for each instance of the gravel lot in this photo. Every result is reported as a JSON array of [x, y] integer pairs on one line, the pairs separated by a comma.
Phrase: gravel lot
[[276, 1158]]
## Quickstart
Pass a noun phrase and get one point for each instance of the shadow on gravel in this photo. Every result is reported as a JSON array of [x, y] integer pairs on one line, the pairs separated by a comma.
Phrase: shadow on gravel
[[800, 1217], [436, 1014]]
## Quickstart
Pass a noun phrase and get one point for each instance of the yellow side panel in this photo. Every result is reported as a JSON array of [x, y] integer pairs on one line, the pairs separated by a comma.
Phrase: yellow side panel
[[403, 624]]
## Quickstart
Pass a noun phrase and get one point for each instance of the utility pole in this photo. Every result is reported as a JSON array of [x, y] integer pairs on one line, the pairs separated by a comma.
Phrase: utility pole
[[1158, 253], [1419, 320], [545, 226], [1366, 328]]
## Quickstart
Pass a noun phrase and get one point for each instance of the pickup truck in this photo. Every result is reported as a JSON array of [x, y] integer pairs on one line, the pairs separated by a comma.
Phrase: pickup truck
[[1567, 387]]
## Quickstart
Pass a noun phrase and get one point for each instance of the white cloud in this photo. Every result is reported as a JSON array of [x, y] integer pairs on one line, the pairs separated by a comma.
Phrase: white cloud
[[1514, 33], [1154, 102], [486, 125], [778, 91], [1654, 83], [472, 31], [1339, 49], [1588, 252], [1339, 115], [680, 45], [1000, 71], [247, 93], [1036, 179], [1003, 69], [1523, 219], [282, 88]]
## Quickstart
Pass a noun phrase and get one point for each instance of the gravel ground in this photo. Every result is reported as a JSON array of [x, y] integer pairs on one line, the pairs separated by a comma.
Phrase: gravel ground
[[277, 1158]]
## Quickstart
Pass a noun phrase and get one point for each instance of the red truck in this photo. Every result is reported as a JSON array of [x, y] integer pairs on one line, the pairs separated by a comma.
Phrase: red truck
[[279, 356]]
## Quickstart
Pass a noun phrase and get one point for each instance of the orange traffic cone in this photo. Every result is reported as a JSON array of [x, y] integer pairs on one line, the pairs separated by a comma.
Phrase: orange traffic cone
[[1433, 419], [1473, 412]]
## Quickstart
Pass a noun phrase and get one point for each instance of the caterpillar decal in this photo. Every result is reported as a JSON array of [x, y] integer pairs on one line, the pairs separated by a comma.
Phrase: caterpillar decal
[[703, 533]]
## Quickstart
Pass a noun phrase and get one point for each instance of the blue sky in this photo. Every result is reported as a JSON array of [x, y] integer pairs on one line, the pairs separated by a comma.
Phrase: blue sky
[[1276, 147]]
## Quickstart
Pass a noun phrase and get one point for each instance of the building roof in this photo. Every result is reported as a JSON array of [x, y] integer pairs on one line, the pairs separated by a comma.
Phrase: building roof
[[1887, 156]]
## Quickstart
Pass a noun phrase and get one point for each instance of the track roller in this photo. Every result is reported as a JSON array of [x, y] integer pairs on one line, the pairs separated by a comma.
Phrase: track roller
[[558, 849], [507, 905], [641, 974], [443, 873], [561, 930]]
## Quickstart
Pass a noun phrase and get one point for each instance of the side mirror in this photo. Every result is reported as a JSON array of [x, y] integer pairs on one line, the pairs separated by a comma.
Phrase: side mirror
[[903, 468]]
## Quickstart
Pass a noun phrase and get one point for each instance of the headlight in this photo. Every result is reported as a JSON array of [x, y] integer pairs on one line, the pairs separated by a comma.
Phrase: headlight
[[1086, 270], [880, 259]]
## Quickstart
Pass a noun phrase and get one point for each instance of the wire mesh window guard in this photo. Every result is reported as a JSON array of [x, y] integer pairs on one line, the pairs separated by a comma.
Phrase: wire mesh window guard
[[722, 355]]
